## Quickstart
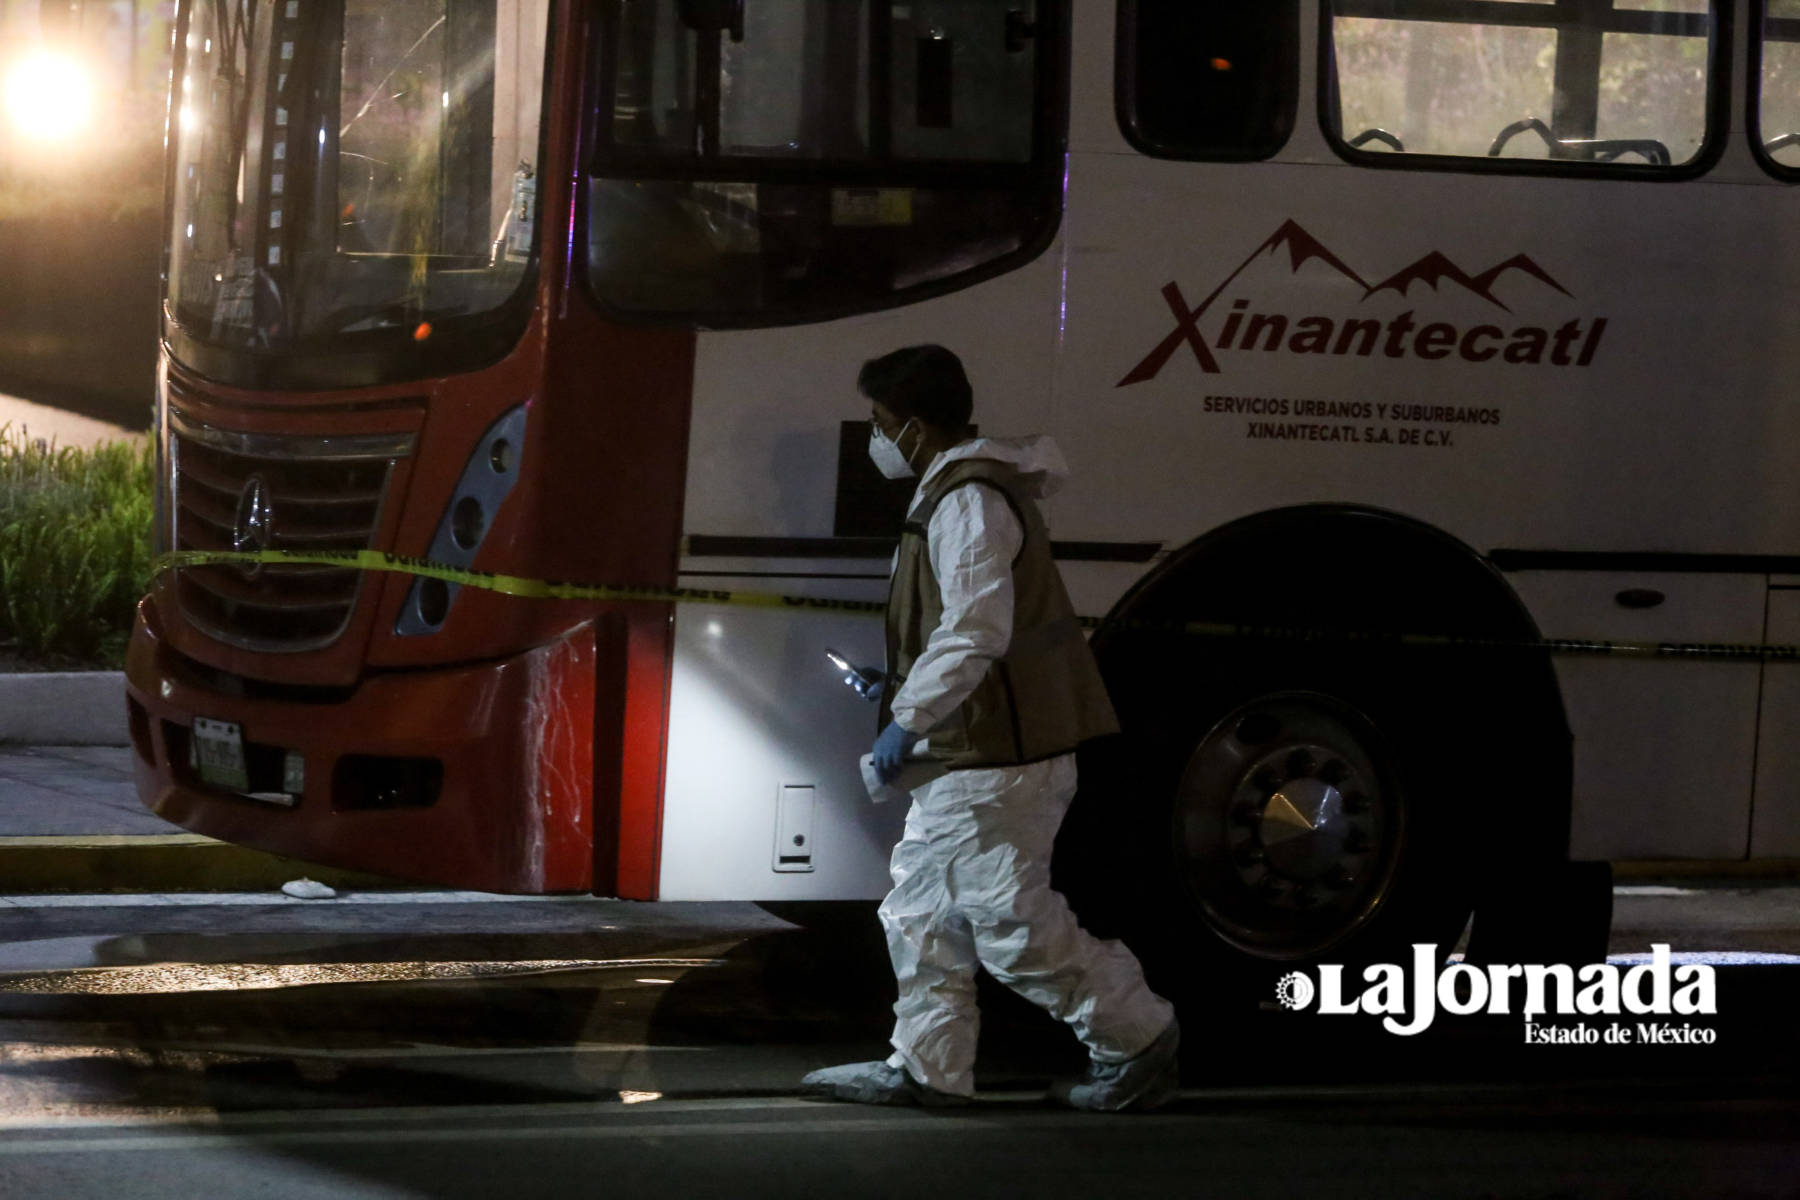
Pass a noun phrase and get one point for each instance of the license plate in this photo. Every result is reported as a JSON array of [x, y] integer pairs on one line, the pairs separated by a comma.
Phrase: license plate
[[219, 754]]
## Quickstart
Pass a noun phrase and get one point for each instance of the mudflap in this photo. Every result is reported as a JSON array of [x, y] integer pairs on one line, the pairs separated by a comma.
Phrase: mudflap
[[1560, 913]]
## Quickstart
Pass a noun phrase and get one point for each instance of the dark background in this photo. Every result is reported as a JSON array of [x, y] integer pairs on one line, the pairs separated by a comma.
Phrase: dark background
[[78, 302], [80, 239]]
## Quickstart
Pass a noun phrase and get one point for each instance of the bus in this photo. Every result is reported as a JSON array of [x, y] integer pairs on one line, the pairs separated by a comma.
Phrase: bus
[[1394, 329]]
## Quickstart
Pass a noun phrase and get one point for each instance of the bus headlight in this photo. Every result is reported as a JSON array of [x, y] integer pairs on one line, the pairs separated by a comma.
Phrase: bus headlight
[[468, 521], [486, 479]]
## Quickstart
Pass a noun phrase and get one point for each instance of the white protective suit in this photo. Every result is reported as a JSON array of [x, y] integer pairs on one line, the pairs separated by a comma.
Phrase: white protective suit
[[972, 871]]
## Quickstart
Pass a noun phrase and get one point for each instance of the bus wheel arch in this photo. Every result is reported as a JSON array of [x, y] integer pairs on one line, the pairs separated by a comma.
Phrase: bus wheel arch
[[1291, 799]]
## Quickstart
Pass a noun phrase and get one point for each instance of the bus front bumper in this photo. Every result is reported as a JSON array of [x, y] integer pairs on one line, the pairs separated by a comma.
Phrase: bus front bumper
[[476, 776]]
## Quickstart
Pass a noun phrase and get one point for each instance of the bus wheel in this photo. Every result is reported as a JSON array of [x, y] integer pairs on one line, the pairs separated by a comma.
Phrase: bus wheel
[[1287, 825], [1285, 816], [1328, 790]]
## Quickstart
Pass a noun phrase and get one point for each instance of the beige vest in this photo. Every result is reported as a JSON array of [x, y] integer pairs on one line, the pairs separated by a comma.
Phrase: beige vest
[[1045, 696]]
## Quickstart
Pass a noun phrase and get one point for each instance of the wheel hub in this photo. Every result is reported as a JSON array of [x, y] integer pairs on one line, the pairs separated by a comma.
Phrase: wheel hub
[[1287, 831], [1303, 828]]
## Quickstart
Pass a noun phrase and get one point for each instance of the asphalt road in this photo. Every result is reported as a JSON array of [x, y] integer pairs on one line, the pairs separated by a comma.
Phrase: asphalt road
[[450, 1045]]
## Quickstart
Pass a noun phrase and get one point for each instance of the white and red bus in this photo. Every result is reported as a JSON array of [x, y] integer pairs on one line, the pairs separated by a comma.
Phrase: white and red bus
[[1374, 317]]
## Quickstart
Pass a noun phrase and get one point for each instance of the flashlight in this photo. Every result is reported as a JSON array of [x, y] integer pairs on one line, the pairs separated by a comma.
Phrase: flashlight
[[856, 677]]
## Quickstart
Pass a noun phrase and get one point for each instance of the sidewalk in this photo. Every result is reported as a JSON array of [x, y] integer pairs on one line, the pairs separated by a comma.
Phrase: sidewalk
[[70, 821], [59, 425], [63, 791], [69, 815]]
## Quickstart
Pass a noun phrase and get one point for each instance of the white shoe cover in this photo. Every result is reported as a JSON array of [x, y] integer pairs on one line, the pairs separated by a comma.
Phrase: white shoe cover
[[872, 1083], [1138, 1085]]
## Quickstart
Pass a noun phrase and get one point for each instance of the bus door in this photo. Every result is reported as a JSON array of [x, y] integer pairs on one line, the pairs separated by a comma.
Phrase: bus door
[[812, 184]]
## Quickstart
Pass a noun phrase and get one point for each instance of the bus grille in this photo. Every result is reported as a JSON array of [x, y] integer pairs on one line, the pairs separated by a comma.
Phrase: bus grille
[[236, 491]]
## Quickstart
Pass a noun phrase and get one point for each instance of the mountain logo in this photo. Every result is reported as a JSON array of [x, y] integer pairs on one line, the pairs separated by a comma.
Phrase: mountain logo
[[1574, 343]]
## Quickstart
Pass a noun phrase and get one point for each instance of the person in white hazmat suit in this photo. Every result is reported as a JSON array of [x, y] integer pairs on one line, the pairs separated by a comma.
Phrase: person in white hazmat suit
[[988, 667]]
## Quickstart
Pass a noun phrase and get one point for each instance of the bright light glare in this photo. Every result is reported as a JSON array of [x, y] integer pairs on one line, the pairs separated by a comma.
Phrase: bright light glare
[[49, 96]]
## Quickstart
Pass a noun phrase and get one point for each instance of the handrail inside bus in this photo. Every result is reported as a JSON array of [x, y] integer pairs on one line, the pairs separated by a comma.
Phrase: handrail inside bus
[[1605, 149], [1377, 135]]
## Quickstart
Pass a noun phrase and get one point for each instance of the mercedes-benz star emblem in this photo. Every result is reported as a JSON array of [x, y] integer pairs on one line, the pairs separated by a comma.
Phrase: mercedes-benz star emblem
[[254, 527]]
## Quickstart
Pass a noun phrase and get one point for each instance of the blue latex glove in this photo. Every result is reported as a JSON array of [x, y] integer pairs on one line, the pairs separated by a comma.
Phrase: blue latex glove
[[891, 749]]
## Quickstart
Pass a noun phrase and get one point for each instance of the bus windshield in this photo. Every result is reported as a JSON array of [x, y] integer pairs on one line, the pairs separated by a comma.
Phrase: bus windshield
[[353, 183]]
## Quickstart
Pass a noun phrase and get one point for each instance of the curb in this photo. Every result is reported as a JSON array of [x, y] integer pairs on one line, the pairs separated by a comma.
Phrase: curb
[[63, 708], [180, 862]]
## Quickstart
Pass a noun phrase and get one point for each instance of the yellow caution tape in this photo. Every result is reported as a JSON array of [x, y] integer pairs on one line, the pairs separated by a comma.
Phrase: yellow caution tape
[[543, 589], [510, 585]]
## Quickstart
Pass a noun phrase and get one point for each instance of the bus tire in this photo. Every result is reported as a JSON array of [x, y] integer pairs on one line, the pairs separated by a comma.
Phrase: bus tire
[[1280, 801]]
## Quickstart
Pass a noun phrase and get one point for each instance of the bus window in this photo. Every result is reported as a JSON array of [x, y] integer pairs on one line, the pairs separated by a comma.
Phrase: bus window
[[761, 163], [353, 187], [1207, 81], [1582, 85], [1778, 114]]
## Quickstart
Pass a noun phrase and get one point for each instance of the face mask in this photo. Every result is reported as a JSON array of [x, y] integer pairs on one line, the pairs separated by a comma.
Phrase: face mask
[[886, 453]]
